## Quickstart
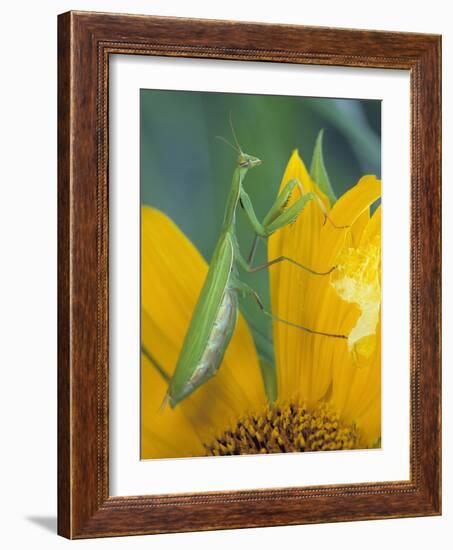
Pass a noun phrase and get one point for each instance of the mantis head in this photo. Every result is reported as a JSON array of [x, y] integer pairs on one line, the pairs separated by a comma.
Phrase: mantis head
[[244, 160], [248, 161]]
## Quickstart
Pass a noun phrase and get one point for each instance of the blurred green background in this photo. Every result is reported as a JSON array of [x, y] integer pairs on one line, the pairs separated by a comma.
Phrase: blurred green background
[[186, 172]]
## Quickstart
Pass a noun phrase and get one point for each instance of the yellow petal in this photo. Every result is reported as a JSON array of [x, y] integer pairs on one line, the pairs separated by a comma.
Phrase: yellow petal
[[362, 337], [293, 348], [304, 360], [173, 272], [355, 201], [159, 427], [356, 393], [358, 227], [373, 228], [332, 315]]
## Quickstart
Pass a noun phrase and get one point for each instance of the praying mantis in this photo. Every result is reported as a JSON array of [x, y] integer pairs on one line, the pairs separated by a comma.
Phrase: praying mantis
[[215, 314]]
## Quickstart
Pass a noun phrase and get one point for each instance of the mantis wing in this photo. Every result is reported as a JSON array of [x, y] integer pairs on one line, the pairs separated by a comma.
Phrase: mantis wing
[[204, 316]]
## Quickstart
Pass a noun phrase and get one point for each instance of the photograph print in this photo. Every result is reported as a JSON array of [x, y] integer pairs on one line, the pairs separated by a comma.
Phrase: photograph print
[[260, 274]]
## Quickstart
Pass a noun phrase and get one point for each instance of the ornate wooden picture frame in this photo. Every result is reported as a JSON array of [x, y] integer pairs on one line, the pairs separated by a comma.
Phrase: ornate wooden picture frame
[[86, 42]]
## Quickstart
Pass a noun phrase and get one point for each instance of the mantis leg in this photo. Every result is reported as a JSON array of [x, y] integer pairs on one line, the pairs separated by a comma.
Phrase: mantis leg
[[243, 288], [247, 205], [282, 201], [253, 250], [278, 216], [155, 364], [255, 269], [322, 207], [247, 264]]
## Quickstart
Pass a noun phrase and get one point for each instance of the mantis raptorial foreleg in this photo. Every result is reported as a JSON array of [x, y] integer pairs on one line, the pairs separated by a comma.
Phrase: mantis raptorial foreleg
[[244, 289], [281, 202], [322, 207], [278, 216]]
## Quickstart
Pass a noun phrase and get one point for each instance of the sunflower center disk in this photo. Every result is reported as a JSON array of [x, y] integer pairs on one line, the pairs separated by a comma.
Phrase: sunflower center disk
[[286, 428]]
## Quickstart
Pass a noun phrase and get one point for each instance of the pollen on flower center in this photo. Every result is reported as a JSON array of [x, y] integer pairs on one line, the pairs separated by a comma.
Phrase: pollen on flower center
[[285, 428]]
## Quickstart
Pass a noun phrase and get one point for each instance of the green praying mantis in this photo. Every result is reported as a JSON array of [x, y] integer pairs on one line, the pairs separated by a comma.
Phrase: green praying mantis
[[215, 315]]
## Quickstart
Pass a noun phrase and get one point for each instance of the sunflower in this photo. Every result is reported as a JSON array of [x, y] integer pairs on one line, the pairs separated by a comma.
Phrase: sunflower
[[329, 390]]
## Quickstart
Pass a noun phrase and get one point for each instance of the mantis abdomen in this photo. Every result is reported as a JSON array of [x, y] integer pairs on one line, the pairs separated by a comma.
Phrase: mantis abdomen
[[211, 327], [218, 340]]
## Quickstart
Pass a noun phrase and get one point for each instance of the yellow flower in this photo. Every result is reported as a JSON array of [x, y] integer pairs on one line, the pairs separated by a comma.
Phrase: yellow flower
[[314, 368], [324, 400]]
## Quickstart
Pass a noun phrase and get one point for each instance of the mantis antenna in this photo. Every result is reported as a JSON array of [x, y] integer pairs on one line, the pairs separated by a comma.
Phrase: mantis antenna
[[228, 143], [234, 134]]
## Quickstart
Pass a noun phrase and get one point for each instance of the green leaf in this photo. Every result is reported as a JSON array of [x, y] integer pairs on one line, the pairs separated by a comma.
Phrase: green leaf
[[269, 378], [318, 170], [262, 337]]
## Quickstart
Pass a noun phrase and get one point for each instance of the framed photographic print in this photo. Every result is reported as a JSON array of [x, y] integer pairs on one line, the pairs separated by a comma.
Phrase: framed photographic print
[[249, 274]]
